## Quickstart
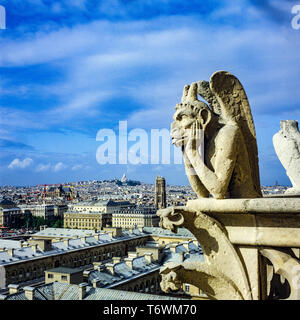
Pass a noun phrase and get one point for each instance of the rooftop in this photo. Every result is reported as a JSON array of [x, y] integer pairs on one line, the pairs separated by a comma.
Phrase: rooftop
[[122, 272], [108, 202], [28, 253], [62, 232], [65, 270], [181, 232], [61, 291]]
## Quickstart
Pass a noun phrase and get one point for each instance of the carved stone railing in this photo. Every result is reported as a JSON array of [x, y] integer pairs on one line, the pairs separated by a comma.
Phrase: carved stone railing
[[251, 248]]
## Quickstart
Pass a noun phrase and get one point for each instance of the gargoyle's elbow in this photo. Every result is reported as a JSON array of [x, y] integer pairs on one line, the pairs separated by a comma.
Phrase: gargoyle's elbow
[[218, 194]]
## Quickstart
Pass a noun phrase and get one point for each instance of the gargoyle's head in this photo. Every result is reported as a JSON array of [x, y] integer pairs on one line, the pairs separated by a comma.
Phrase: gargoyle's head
[[170, 282], [186, 114]]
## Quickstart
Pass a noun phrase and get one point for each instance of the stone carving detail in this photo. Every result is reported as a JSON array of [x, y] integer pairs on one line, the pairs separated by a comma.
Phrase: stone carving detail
[[218, 140], [287, 146], [220, 155], [286, 266], [222, 275]]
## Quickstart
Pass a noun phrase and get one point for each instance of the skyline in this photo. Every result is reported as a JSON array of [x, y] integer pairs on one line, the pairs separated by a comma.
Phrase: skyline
[[71, 68]]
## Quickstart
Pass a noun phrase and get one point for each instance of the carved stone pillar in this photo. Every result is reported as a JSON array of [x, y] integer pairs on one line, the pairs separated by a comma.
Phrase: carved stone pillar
[[239, 238]]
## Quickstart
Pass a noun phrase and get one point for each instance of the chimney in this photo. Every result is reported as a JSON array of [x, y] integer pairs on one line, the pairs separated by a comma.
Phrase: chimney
[[82, 290], [11, 252], [83, 239], [173, 248], [97, 236], [110, 233], [96, 265], [34, 247], [129, 262], [100, 268], [96, 283], [186, 246], [148, 256], [86, 273], [110, 268], [66, 242], [13, 288], [181, 256], [29, 293], [116, 260], [132, 254]]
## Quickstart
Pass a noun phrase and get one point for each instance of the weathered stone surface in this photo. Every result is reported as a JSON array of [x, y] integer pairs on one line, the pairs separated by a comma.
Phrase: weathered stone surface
[[287, 146], [233, 234], [222, 275], [286, 266], [251, 244], [264, 221], [218, 141]]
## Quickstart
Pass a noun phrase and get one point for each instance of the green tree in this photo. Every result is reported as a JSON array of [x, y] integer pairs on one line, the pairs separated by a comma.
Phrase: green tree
[[28, 219], [58, 223]]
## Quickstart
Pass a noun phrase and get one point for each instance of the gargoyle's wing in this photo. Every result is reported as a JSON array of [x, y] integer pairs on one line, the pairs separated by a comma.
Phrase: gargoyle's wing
[[235, 107], [204, 91]]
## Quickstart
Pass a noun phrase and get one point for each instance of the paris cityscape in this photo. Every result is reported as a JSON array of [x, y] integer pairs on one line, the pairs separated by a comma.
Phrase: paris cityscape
[[107, 209]]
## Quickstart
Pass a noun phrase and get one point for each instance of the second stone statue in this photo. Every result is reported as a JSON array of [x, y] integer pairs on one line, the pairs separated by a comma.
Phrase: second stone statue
[[287, 146]]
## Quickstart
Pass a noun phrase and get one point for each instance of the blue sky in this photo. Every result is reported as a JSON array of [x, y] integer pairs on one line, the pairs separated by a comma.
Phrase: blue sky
[[70, 68]]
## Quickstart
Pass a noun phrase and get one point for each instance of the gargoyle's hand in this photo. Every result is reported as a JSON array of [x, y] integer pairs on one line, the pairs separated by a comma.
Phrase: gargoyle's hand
[[194, 145]]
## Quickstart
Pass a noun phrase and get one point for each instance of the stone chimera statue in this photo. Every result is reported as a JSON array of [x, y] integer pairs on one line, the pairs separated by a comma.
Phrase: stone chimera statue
[[240, 232], [218, 140]]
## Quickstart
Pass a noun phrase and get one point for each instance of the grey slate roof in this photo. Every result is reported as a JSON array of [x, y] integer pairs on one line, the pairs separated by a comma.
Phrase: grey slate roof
[[181, 232], [108, 202], [64, 233], [10, 244], [192, 253], [28, 253], [6, 202], [123, 272], [65, 270], [61, 291]]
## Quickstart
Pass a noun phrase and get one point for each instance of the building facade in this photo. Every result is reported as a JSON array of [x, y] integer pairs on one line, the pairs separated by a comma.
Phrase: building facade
[[135, 218], [61, 191], [44, 211], [103, 206], [94, 215], [11, 216], [64, 275], [87, 220]]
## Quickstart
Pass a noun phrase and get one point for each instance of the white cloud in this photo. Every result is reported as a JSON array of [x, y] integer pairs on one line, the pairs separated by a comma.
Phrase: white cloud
[[77, 167], [150, 63], [43, 167], [20, 164], [59, 166]]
